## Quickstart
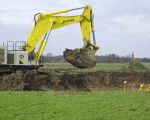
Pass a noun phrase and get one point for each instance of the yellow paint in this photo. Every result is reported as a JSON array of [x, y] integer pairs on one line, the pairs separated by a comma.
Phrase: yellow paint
[[41, 49], [45, 20], [125, 83], [53, 13], [144, 87], [22, 60]]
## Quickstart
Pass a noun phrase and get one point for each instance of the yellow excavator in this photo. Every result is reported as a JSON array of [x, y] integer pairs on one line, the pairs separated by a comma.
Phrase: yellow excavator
[[22, 55]]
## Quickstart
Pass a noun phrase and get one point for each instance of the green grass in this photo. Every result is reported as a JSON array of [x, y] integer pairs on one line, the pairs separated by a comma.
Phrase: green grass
[[146, 65], [61, 68], [135, 66], [74, 106]]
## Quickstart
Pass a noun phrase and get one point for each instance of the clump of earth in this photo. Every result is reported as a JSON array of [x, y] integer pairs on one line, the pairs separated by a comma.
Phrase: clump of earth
[[134, 66], [81, 58]]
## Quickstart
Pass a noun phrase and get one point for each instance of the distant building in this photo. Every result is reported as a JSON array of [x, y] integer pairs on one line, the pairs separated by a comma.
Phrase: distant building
[[132, 56]]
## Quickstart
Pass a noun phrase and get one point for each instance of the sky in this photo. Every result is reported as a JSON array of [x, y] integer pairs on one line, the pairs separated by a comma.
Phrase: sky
[[121, 26]]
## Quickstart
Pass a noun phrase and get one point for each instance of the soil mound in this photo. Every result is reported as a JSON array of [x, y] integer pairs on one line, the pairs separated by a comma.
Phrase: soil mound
[[134, 66], [33, 80]]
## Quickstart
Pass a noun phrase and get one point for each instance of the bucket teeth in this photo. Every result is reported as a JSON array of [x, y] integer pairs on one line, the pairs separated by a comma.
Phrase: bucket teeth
[[81, 58]]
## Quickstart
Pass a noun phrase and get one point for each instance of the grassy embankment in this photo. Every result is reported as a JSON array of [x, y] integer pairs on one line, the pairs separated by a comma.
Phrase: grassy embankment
[[74, 106]]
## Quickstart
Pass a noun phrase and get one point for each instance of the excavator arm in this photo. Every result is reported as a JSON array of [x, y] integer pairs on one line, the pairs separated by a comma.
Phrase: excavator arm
[[45, 22]]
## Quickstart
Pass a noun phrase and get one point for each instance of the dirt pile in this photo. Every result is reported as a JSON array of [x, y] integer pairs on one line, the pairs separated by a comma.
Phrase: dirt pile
[[29, 80], [134, 66], [33, 80], [81, 58]]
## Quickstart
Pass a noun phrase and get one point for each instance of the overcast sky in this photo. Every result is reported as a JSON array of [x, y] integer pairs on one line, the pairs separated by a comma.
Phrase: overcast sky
[[121, 26]]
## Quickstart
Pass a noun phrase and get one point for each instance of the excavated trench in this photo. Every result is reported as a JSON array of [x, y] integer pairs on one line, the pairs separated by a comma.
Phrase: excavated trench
[[33, 80]]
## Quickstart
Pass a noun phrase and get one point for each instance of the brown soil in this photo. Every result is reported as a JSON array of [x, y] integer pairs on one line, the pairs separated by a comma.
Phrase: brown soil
[[32, 80], [81, 58]]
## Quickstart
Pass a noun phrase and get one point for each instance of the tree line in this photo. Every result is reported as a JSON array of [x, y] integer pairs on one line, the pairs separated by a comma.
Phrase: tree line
[[110, 58]]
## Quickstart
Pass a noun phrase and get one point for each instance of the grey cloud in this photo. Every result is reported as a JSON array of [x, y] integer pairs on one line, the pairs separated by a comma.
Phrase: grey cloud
[[122, 26]]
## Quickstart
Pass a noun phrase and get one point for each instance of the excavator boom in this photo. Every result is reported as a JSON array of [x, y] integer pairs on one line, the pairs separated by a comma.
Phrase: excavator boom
[[22, 55], [45, 22]]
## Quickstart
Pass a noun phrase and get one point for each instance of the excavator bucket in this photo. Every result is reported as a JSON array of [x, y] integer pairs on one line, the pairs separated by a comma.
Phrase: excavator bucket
[[82, 57]]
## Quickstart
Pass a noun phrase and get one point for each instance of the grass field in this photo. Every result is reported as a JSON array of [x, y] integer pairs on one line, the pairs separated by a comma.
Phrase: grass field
[[147, 65], [74, 106], [61, 68]]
